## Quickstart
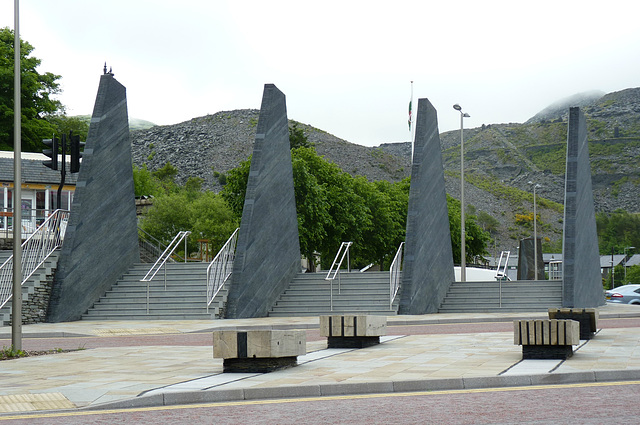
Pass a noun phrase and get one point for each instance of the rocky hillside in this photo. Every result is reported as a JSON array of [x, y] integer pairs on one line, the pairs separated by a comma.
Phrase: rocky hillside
[[208, 146], [500, 159]]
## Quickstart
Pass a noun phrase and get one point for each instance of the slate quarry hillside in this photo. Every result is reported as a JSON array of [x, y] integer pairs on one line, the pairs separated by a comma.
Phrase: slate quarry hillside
[[500, 159]]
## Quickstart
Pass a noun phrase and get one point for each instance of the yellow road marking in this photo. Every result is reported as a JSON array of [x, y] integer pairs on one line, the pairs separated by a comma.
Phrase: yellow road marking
[[319, 398]]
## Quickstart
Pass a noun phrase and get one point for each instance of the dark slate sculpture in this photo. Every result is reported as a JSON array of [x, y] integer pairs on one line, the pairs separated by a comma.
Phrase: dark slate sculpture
[[526, 261], [582, 284], [268, 248], [428, 259], [101, 240]]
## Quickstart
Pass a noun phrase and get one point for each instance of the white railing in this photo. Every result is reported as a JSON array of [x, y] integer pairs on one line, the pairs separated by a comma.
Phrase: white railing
[[394, 275], [501, 270], [162, 260], [335, 268], [35, 250], [220, 268], [501, 273]]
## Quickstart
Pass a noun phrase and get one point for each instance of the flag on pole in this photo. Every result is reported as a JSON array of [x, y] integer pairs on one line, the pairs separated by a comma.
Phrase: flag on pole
[[410, 104]]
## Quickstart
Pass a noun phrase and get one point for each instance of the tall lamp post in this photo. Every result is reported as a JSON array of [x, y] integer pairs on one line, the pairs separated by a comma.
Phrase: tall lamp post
[[625, 259], [535, 231], [463, 272]]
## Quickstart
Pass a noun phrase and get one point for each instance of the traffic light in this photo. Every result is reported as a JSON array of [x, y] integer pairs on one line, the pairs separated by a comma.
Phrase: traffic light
[[51, 153], [76, 144]]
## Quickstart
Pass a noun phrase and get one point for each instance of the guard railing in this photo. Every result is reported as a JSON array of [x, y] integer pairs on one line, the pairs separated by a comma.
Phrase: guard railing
[[35, 250], [335, 268], [394, 275], [162, 261], [220, 268]]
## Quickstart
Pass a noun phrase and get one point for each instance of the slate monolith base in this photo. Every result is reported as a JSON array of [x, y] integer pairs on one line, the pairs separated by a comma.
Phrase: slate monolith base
[[428, 258], [582, 284], [101, 241], [268, 248]]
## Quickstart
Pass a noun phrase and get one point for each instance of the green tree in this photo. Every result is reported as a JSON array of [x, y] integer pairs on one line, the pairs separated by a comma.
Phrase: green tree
[[205, 214], [64, 124], [333, 207], [297, 138], [145, 184], [37, 91], [633, 276], [617, 231]]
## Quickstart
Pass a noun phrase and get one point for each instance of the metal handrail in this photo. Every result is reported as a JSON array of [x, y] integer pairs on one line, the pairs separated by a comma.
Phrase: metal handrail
[[501, 275], [162, 260], [220, 268], [394, 275], [35, 250], [337, 264], [152, 245]]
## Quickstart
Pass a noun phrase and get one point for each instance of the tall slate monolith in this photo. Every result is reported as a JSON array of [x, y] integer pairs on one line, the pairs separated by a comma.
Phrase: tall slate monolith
[[582, 283], [101, 240], [268, 248], [428, 259]]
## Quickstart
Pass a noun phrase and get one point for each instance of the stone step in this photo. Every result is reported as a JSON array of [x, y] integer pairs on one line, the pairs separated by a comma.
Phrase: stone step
[[150, 316]]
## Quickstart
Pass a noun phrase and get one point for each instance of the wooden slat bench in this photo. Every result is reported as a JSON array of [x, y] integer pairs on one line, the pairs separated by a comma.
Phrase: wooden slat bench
[[546, 338], [258, 351], [353, 331], [587, 317]]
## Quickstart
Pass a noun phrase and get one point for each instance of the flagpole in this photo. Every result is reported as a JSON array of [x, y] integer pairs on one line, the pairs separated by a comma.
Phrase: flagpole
[[411, 127]]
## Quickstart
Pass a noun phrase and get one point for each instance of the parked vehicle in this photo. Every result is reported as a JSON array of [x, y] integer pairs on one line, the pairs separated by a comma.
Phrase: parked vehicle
[[626, 294]]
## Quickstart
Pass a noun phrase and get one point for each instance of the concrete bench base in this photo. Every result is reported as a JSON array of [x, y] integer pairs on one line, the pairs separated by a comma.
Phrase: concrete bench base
[[546, 338], [258, 351], [587, 317], [258, 364], [353, 331], [547, 352], [352, 341]]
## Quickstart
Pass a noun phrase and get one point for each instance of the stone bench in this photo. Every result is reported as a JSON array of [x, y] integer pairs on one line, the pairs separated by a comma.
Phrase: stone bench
[[258, 351], [546, 338], [587, 317], [352, 331]]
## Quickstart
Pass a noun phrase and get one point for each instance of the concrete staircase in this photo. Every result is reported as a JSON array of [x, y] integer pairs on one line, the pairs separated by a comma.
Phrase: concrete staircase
[[40, 278], [185, 297], [360, 293], [484, 297]]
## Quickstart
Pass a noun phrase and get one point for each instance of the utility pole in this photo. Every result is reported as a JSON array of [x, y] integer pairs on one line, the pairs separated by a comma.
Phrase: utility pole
[[16, 302]]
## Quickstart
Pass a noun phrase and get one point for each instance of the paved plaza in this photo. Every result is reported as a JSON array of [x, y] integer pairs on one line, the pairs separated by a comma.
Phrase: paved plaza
[[151, 363]]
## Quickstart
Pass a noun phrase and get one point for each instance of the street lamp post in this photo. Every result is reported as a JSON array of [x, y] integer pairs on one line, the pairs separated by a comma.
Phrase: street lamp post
[[463, 272], [535, 232], [625, 259]]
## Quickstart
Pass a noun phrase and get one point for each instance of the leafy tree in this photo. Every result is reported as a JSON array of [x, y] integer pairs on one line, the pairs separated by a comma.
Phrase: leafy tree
[[633, 276], [64, 124], [617, 231], [488, 222], [145, 184], [333, 207], [297, 139], [166, 176], [205, 214], [236, 187], [37, 91]]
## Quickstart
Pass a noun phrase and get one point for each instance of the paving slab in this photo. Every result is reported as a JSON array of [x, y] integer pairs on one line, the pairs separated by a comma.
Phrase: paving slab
[[130, 376]]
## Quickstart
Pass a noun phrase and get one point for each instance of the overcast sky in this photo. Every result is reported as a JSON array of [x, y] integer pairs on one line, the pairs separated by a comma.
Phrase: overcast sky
[[345, 66]]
